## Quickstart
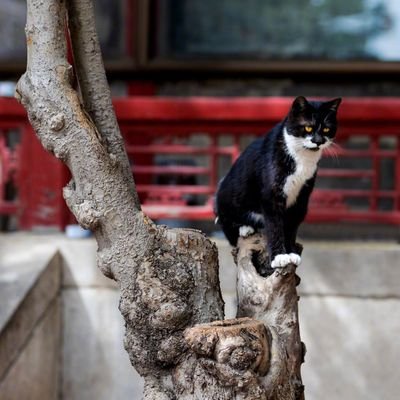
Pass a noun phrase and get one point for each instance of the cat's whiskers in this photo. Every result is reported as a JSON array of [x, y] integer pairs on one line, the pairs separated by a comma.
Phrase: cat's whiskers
[[337, 146], [333, 151]]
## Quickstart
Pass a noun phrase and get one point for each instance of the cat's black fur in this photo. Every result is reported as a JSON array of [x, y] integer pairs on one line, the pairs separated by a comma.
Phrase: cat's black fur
[[256, 181]]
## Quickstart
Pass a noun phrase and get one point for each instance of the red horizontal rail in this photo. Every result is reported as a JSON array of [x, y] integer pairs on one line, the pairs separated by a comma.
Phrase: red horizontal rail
[[204, 189], [179, 149], [170, 170], [160, 211], [8, 208], [358, 111], [159, 127], [366, 153], [195, 213], [360, 193], [328, 215], [379, 112], [340, 173], [178, 189]]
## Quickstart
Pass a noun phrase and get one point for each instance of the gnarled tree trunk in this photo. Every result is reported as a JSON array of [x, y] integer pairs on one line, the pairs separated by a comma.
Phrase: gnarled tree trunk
[[168, 278]]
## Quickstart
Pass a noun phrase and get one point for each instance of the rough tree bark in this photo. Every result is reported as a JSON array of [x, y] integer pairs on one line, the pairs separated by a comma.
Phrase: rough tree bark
[[168, 278]]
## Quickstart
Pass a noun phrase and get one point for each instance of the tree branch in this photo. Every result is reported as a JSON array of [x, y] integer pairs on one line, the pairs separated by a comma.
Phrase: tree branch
[[272, 300], [100, 196], [168, 278], [96, 94]]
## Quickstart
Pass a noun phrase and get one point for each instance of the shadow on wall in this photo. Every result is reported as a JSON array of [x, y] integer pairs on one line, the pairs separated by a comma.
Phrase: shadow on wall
[[95, 364]]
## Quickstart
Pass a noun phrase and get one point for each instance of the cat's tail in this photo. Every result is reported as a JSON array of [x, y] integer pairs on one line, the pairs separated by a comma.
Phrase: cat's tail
[[215, 203]]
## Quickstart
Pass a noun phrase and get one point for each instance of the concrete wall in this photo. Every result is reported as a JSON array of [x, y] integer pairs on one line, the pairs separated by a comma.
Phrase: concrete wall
[[95, 364], [349, 313], [30, 322], [34, 374]]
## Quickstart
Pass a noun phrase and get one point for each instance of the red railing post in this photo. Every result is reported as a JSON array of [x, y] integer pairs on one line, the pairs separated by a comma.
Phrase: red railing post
[[396, 201], [374, 146], [41, 179]]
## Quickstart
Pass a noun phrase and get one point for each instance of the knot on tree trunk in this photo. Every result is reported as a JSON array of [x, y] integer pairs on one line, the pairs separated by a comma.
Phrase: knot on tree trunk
[[85, 210], [231, 348], [175, 286], [225, 360]]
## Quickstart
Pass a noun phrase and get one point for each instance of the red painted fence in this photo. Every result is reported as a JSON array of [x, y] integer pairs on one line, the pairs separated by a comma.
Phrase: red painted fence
[[180, 148], [31, 179]]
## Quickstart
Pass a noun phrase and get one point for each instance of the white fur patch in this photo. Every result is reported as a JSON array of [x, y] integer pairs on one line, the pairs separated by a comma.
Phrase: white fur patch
[[245, 231], [305, 165], [281, 260], [326, 144], [308, 143], [257, 217]]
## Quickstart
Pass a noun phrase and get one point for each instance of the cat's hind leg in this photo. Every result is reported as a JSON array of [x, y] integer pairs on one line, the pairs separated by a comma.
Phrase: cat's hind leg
[[246, 230], [242, 224], [233, 230], [253, 222]]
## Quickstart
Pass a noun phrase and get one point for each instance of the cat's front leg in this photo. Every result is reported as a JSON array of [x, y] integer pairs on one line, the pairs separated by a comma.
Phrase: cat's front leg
[[278, 255], [281, 260], [294, 216], [290, 239]]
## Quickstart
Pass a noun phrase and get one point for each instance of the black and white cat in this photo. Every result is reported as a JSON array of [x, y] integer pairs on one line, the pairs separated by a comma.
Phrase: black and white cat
[[269, 185]]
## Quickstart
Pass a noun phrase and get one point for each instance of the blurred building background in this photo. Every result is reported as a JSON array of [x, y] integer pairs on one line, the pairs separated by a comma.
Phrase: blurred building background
[[194, 82], [247, 62]]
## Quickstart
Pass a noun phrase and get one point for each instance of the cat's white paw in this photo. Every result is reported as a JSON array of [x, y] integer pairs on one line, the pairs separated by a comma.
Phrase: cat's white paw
[[295, 259], [245, 231], [281, 260]]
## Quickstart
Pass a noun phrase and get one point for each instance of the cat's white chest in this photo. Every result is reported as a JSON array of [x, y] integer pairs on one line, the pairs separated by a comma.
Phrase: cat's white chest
[[305, 167], [294, 183]]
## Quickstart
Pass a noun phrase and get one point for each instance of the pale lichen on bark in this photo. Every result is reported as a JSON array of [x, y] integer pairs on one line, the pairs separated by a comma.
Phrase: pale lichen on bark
[[273, 300], [168, 278]]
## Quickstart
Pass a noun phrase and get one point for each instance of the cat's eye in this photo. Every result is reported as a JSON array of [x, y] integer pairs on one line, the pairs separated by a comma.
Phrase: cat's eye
[[308, 129], [326, 130]]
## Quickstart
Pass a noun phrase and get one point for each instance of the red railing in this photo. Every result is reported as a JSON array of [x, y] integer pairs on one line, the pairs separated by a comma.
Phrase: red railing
[[180, 148], [360, 183], [9, 165], [31, 179]]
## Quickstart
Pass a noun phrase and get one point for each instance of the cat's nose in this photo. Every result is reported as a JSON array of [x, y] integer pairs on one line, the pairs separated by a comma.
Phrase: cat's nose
[[318, 140]]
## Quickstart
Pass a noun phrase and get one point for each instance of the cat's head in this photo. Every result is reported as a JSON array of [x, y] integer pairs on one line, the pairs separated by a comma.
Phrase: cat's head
[[312, 124]]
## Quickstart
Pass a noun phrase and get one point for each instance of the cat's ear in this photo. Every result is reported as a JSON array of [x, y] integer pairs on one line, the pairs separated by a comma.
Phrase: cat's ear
[[300, 103], [333, 105]]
